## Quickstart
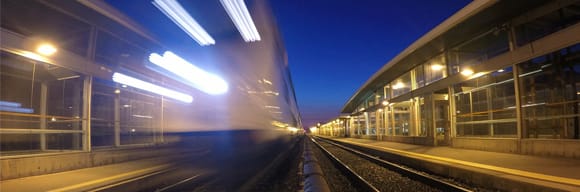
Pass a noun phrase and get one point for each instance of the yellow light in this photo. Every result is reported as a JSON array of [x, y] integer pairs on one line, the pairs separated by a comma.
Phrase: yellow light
[[117, 91], [385, 103], [436, 67], [467, 72], [46, 49], [380, 110], [398, 85]]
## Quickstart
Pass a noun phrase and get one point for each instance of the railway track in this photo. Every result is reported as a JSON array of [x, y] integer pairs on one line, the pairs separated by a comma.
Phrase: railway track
[[369, 173]]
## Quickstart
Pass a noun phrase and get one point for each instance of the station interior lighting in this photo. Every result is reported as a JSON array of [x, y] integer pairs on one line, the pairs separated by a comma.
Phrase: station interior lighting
[[46, 49], [173, 10], [436, 67], [200, 79], [385, 103], [467, 72], [139, 84], [240, 15], [398, 85]]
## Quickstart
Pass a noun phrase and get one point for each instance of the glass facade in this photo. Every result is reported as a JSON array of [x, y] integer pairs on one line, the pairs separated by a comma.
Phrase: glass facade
[[549, 87], [535, 99], [41, 106]]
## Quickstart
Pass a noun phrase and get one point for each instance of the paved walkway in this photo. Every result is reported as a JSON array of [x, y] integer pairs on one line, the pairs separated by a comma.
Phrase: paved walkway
[[550, 169]]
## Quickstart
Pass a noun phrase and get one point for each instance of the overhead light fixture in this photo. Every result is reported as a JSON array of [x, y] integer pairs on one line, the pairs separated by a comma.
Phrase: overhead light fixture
[[200, 79], [240, 15], [398, 85], [46, 49], [173, 10], [385, 103], [139, 84], [436, 67], [467, 72]]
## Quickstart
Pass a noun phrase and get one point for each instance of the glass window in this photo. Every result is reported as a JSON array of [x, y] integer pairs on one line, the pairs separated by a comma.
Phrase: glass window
[[435, 69], [113, 51], [478, 50], [547, 24], [23, 17], [138, 114], [402, 118], [35, 97], [103, 113], [402, 84], [387, 92], [419, 77], [549, 94], [486, 105]]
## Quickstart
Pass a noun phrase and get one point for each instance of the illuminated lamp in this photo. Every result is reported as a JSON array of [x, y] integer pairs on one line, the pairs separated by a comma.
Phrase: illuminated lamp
[[467, 72], [46, 49]]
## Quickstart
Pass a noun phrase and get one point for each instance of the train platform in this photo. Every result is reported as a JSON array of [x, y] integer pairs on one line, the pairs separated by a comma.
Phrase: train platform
[[505, 171], [87, 179]]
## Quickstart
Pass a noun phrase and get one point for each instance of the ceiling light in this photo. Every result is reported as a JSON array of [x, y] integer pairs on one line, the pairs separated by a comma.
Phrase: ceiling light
[[139, 84], [179, 16], [200, 79], [467, 72], [46, 49], [436, 67], [385, 103], [398, 85], [239, 14]]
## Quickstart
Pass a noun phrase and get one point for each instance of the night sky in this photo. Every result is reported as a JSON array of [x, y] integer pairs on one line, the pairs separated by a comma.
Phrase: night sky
[[335, 46]]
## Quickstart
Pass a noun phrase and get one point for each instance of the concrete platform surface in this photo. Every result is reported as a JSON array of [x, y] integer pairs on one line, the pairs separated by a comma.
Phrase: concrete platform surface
[[553, 173], [88, 178]]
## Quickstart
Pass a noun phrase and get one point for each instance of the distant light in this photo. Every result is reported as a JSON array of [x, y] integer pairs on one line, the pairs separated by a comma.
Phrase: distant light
[[380, 110], [173, 10], [133, 82], [240, 15], [53, 119], [200, 79], [501, 70], [126, 105], [436, 67], [117, 91], [398, 85], [478, 75], [124, 86], [46, 49], [133, 130], [467, 72], [385, 103]]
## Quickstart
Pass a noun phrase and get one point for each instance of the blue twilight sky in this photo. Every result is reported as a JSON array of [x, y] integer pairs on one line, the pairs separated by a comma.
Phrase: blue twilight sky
[[334, 46]]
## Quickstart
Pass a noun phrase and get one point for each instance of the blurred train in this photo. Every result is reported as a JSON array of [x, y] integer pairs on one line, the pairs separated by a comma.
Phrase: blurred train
[[78, 75]]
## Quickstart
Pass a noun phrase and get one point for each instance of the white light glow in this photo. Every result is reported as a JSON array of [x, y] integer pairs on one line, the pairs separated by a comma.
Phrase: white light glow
[[46, 49], [436, 67], [398, 85], [173, 10], [500, 71], [467, 72], [139, 84], [143, 116], [385, 103], [240, 15], [200, 79]]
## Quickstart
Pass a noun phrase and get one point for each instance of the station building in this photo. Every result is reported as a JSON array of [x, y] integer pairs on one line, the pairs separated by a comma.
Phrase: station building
[[497, 75]]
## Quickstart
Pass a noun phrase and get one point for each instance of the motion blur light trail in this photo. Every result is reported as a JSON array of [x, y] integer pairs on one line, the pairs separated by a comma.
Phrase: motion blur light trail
[[200, 79], [133, 82]]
